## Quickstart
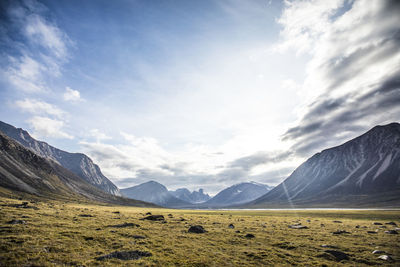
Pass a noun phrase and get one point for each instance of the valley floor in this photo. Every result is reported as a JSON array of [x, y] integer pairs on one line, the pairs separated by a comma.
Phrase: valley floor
[[56, 233]]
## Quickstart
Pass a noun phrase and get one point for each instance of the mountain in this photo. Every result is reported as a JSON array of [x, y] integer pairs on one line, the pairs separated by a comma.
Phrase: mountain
[[154, 192], [23, 171], [362, 171], [78, 163], [238, 194], [191, 197]]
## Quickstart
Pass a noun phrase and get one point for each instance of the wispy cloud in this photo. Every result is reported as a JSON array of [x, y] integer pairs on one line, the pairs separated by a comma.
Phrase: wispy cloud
[[38, 107], [353, 75], [48, 127]]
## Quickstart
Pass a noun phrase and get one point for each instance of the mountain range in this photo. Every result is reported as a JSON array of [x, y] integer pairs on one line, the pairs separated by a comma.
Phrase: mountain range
[[78, 163], [362, 171], [190, 197], [24, 171]]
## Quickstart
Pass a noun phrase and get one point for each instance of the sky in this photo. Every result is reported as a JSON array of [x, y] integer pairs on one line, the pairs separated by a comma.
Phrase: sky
[[199, 94]]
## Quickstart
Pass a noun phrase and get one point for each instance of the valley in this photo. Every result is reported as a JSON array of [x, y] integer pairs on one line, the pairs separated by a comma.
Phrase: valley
[[51, 232]]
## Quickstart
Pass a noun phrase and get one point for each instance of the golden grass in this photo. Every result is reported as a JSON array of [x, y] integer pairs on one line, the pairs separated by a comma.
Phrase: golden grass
[[56, 235]]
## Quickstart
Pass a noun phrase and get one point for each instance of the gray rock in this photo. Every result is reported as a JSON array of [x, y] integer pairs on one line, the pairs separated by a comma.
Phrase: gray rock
[[249, 236], [198, 229], [154, 218], [123, 225], [391, 232], [386, 258], [339, 255], [16, 222], [377, 223], [378, 252], [298, 226], [391, 223], [231, 226], [339, 232], [125, 255]]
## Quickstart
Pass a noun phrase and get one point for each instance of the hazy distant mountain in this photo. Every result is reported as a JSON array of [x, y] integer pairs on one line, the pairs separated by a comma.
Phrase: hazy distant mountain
[[191, 197], [77, 163], [238, 194], [23, 171], [365, 170], [153, 192]]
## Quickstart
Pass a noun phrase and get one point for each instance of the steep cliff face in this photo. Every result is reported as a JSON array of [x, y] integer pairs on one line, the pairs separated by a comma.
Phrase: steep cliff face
[[78, 163], [366, 165]]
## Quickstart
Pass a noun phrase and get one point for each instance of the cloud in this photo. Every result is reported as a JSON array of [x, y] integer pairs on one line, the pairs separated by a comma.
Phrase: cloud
[[25, 74], [249, 162], [353, 75], [98, 135], [47, 127], [36, 47], [38, 107], [72, 95]]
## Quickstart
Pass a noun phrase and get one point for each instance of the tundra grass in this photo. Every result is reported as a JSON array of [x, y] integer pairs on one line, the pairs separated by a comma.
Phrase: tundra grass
[[56, 234]]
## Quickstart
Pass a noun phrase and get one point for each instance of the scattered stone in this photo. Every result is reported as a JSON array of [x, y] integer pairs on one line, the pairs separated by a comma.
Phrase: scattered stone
[[231, 226], [148, 213], [391, 223], [372, 232], [308, 221], [198, 229], [322, 225], [377, 223], [391, 232], [182, 220], [170, 215], [328, 246], [85, 215], [386, 258], [138, 237], [339, 232], [382, 226], [16, 222], [25, 217], [357, 226], [339, 255], [298, 226], [154, 218], [125, 255], [378, 252], [124, 225], [237, 231], [249, 236], [116, 212], [88, 238], [337, 221]]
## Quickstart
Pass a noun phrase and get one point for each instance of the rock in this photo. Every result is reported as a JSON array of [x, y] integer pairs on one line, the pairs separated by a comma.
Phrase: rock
[[85, 215], [339, 232], [125, 255], [391, 232], [182, 220], [249, 236], [116, 212], [231, 226], [16, 222], [377, 223], [337, 221], [138, 237], [154, 218], [357, 226], [372, 232], [237, 231], [339, 255], [198, 229], [308, 221], [298, 226], [170, 215], [148, 213], [391, 223], [124, 225], [328, 246], [386, 258], [378, 252]]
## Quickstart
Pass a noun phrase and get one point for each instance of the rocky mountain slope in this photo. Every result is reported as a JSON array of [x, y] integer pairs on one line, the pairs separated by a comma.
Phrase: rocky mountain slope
[[154, 192], [363, 170], [238, 194], [78, 163], [190, 197], [23, 171]]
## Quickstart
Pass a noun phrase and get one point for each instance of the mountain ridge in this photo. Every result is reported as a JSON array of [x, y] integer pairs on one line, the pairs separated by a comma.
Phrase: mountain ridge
[[78, 163]]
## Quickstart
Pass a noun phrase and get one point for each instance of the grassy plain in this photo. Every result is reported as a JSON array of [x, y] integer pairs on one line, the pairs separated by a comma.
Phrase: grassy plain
[[56, 233]]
